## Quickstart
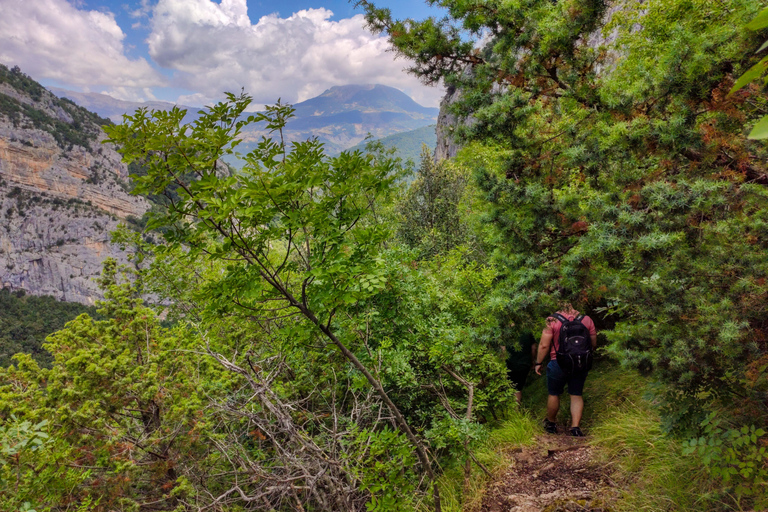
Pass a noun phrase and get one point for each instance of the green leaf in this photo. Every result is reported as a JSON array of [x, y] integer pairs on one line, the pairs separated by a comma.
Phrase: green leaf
[[751, 74], [760, 21], [760, 131]]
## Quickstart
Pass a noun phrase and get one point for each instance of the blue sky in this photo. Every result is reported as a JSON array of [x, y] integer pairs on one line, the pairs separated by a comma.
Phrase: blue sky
[[191, 51]]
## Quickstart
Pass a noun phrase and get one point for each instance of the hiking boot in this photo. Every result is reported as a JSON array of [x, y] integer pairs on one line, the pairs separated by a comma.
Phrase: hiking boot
[[575, 432], [550, 426]]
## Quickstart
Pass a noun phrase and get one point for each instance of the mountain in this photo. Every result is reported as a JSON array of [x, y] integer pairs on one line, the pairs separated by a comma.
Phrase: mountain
[[112, 108], [408, 144], [62, 191], [343, 116], [340, 117], [362, 98]]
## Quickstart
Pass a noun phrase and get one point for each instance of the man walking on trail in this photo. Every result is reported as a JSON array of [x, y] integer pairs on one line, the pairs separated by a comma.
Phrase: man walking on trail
[[558, 377]]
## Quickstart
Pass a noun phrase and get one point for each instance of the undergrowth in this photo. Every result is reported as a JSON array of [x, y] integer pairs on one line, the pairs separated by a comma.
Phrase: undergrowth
[[647, 465], [515, 427]]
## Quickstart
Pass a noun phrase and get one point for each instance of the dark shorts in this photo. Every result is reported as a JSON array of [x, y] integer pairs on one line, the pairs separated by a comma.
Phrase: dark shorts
[[517, 376], [556, 381]]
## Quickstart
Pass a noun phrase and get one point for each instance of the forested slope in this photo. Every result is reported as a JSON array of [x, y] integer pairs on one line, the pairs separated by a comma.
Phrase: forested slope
[[335, 343], [26, 320], [407, 145]]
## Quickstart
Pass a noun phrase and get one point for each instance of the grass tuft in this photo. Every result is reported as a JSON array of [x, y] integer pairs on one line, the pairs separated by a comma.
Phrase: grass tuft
[[648, 465]]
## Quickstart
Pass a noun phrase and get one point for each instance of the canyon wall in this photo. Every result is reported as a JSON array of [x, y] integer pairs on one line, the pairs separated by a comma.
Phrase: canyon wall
[[61, 193]]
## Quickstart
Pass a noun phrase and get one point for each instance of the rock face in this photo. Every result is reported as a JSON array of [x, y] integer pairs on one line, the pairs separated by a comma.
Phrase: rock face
[[61, 193], [446, 123]]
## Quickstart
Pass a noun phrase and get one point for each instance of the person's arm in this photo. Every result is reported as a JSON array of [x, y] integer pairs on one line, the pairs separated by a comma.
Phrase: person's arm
[[592, 334], [543, 352]]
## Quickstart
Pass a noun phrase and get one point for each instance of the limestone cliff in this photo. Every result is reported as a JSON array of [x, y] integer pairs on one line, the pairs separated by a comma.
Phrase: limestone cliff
[[61, 193], [446, 146]]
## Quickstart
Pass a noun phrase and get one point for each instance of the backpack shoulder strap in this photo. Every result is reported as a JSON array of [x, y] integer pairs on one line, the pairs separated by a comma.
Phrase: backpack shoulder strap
[[560, 317], [579, 318]]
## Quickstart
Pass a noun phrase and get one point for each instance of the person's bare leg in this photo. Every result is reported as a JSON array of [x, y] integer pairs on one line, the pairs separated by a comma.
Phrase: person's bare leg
[[577, 409], [519, 396], [553, 405]]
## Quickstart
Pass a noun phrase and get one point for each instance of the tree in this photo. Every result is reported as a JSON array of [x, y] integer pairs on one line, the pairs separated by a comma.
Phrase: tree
[[617, 176], [298, 230], [431, 219], [116, 425], [25, 321], [760, 130]]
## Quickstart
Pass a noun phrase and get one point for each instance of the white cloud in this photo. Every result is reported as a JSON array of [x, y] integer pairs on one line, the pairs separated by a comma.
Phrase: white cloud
[[194, 100], [142, 12], [54, 39], [131, 93], [214, 47]]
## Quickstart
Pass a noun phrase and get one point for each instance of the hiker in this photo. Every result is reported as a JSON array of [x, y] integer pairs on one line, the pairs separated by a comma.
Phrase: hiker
[[572, 368], [520, 355]]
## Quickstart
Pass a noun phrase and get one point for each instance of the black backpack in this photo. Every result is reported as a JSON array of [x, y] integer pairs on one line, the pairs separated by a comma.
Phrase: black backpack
[[574, 352]]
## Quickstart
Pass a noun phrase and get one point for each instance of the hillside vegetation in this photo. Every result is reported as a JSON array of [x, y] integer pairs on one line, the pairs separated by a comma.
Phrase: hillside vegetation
[[26, 320], [335, 339], [73, 126]]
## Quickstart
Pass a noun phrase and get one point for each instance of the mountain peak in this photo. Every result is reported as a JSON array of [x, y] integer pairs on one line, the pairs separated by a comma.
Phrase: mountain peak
[[361, 97], [340, 117], [345, 92]]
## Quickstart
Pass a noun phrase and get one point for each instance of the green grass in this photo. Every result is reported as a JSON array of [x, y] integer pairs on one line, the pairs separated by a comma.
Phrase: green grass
[[648, 464]]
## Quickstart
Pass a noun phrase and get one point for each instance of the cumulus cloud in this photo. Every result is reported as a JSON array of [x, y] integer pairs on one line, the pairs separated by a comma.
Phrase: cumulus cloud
[[54, 39], [214, 47]]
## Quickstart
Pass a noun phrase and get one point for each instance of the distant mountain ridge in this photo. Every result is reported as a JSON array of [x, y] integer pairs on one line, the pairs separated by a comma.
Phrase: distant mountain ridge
[[365, 98], [340, 117], [109, 107]]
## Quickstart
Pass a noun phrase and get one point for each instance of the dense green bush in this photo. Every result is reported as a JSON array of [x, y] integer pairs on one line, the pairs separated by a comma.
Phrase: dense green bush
[[430, 217], [618, 175]]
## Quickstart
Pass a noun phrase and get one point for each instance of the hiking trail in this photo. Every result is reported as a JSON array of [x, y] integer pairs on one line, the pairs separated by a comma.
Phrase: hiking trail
[[556, 474]]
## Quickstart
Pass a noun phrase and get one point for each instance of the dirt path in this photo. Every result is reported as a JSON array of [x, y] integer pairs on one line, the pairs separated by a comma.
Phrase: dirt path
[[557, 474]]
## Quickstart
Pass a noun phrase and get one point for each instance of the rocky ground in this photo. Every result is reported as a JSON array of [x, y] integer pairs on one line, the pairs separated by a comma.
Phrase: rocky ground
[[557, 474]]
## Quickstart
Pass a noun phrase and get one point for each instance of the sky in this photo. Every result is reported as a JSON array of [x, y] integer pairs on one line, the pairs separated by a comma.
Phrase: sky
[[192, 51]]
